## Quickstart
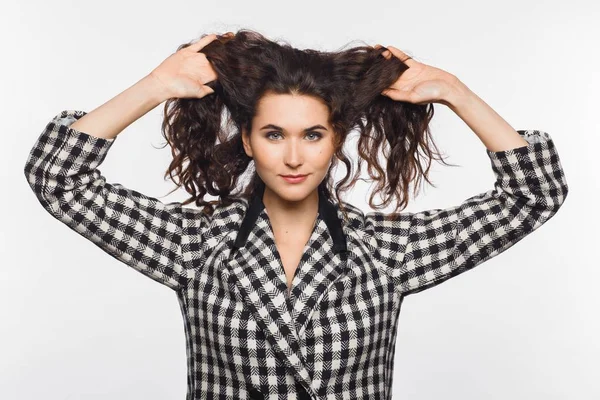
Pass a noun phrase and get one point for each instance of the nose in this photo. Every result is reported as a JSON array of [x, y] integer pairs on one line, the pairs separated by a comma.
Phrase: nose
[[293, 154]]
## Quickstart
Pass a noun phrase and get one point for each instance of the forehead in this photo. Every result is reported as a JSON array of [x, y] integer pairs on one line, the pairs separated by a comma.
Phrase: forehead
[[291, 110]]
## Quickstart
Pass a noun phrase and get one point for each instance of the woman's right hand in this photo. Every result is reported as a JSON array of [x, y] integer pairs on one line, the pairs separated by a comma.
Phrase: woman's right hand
[[184, 73]]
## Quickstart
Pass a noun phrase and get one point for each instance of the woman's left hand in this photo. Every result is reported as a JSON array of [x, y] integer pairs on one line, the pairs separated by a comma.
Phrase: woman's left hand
[[420, 83]]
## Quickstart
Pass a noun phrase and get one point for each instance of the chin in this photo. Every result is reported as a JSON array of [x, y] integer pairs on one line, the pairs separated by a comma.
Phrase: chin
[[294, 192]]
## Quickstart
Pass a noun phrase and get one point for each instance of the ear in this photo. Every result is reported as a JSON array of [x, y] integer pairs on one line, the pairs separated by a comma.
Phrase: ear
[[246, 143]]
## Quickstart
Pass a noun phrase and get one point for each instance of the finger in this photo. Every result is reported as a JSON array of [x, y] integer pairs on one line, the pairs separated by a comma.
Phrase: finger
[[206, 90], [201, 92], [405, 58], [386, 53], [389, 92], [395, 94], [198, 45], [213, 75]]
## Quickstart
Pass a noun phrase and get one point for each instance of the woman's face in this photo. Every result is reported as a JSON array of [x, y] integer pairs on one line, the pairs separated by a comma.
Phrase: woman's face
[[290, 136]]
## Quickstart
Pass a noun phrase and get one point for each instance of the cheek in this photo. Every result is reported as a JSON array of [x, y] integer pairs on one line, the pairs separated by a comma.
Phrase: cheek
[[322, 156], [266, 156]]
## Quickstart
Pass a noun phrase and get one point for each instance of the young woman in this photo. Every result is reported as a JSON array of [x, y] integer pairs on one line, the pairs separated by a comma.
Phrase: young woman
[[288, 292]]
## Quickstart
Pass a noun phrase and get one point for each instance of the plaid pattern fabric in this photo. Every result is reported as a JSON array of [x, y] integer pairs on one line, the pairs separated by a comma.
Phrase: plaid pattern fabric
[[426, 248], [333, 337]]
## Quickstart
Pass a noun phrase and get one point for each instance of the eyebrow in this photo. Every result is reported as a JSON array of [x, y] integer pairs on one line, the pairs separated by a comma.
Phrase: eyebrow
[[312, 128]]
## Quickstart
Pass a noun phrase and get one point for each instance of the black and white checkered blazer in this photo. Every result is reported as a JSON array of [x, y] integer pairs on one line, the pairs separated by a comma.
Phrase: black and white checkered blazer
[[333, 337]]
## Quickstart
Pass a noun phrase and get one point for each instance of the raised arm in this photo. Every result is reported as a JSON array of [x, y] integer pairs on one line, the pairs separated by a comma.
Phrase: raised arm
[[421, 250], [62, 170]]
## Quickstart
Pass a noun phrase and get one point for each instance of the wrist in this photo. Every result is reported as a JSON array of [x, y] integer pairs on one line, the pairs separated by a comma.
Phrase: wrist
[[156, 91], [458, 94]]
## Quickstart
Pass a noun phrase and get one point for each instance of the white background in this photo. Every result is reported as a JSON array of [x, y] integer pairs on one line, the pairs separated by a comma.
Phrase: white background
[[77, 324]]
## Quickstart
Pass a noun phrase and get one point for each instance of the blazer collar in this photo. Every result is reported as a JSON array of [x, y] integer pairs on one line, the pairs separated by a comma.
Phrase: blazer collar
[[327, 210]]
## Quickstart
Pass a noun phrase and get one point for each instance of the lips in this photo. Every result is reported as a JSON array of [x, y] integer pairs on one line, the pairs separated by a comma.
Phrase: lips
[[294, 178]]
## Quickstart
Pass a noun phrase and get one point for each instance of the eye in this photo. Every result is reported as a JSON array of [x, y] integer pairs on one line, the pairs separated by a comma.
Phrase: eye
[[268, 135], [316, 135]]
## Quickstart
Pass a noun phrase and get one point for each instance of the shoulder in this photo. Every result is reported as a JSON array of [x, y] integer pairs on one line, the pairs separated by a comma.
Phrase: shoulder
[[224, 217], [355, 216], [360, 221], [374, 221]]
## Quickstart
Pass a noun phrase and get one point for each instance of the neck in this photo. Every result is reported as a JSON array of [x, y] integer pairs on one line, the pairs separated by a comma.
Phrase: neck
[[292, 212]]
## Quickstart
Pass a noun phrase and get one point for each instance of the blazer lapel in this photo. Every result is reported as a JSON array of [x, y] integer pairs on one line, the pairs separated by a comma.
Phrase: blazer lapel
[[323, 261], [258, 271]]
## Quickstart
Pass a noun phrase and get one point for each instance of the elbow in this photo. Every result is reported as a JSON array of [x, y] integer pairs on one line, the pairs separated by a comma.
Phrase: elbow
[[36, 179], [30, 176], [555, 198]]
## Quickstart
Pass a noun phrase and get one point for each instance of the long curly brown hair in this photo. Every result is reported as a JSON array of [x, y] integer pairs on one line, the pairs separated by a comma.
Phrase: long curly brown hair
[[206, 134]]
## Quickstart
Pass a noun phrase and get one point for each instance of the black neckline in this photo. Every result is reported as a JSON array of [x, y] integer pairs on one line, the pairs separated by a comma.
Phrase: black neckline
[[327, 210]]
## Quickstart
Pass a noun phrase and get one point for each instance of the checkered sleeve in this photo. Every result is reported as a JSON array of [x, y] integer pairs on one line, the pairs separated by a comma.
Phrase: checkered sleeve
[[140, 231], [424, 249]]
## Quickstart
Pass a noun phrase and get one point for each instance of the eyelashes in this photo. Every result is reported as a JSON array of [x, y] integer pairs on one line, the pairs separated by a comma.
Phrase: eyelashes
[[317, 135]]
